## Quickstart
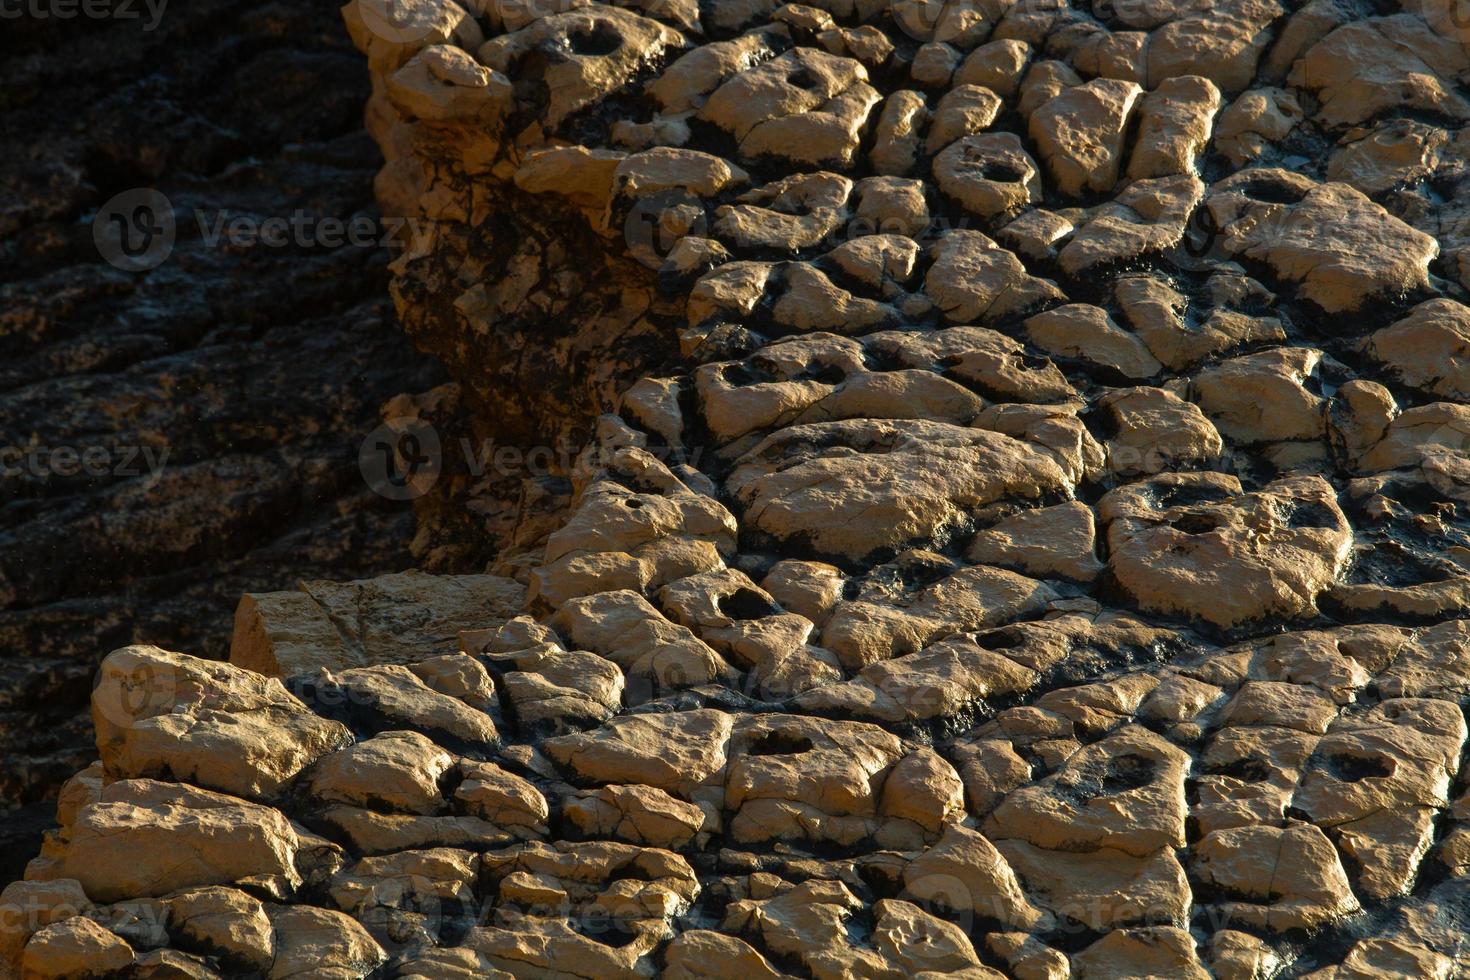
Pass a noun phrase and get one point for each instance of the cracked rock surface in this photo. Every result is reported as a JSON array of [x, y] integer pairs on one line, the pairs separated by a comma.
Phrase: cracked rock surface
[[1023, 535]]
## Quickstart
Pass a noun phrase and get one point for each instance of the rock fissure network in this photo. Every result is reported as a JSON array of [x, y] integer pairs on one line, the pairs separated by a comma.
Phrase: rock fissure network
[[1023, 534]]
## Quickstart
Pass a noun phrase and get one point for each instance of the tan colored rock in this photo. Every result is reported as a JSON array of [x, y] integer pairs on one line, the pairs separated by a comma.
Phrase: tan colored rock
[[1222, 42], [998, 65], [1428, 349], [984, 359], [1262, 397], [898, 131], [33, 905], [1148, 217], [1087, 333], [1222, 555], [444, 84], [392, 619], [1398, 153], [168, 715], [1103, 889], [1156, 431], [1156, 312], [395, 698], [636, 814], [933, 64], [391, 33], [1275, 878], [626, 629], [666, 168], [1254, 121], [546, 685], [815, 123], [989, 174], [410, 896], [74, 949], [1174, 124], [964, 872], [401, 771], [145, 838], [1126, 792], [582, 176], [703, 954], [808, 588], [1080, 134], [797, 777], [809, 923], [675, 752], [373, 833], [1156, 952], [618, 538], [320, 943], [503, 798], [962, 111], [225, 920], [1340, 248], [1048, 541], [1383, 63], [975, 280], [585, 73], [881, 623], [895, 482]]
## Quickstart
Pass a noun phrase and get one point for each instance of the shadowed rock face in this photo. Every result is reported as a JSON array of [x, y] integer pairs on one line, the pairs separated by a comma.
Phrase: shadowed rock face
[[1023, 534], [227, 390]]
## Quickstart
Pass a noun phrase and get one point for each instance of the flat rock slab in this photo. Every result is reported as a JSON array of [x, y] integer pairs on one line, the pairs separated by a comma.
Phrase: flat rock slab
[[392, 619]]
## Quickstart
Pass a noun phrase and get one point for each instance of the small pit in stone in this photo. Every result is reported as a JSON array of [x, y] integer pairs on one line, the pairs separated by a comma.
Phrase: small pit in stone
[[1271, 192], [1198, 523], [1247, 770], [780, 743], [1001, 172], [746, 604], [594, 42], [1353, 768], [1117, 775]]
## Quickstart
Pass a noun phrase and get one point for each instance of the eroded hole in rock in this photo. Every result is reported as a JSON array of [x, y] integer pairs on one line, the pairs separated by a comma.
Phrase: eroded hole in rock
[[1249, 770], [995, 170], [1272, 192], [1198, 523], [780, 743], [594, 42], [1116, 775], [748, 604], [1352, 768]]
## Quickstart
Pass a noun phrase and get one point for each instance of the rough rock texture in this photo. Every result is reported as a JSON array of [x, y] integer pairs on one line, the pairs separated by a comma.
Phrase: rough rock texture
[[1059, 579], [226, 391]]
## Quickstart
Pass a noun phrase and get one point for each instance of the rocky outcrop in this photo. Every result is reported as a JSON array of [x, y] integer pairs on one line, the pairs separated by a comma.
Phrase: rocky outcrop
[[1076, 591]]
